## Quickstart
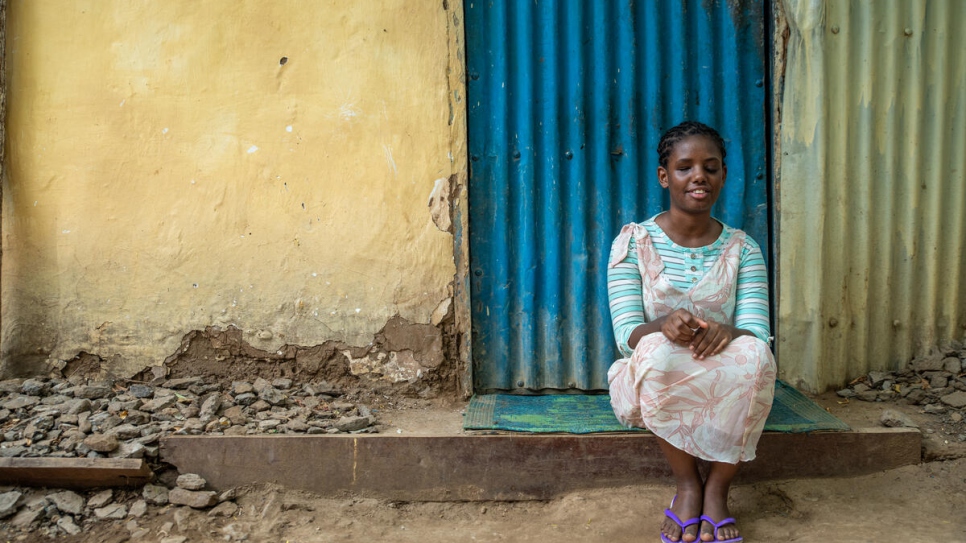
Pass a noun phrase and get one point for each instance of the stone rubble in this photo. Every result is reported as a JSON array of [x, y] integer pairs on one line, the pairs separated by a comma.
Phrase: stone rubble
[[76, 417], [936, 382]]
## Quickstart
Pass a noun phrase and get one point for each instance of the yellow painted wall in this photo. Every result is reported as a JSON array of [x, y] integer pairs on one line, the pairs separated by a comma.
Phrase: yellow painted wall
[[166, 171]]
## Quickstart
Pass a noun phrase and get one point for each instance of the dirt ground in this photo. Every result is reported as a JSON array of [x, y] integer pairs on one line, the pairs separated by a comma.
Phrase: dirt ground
[[925, 502]]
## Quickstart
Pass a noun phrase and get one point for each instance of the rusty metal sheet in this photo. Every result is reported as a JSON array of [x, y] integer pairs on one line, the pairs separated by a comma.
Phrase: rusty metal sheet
[[871, 186]]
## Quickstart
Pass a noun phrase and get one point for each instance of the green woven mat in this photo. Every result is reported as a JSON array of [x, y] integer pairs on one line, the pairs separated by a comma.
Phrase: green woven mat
[[792, 412]]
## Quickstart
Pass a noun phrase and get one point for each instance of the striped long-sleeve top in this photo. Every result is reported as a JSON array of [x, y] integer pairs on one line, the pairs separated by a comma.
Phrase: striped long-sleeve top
[[684, 266]]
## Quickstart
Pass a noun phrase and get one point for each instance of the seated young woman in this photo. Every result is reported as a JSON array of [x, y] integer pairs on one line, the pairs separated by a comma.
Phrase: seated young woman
[[689, 303]]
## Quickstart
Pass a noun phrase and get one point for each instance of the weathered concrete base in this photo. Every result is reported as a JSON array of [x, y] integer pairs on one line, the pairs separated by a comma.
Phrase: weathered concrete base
[[507, 467], [75, 472]]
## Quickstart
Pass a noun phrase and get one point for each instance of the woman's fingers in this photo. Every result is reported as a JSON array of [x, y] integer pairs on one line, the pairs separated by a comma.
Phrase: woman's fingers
[[710, 341]]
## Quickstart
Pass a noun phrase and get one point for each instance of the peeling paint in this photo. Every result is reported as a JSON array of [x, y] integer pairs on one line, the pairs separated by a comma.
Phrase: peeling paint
[[440, 204]]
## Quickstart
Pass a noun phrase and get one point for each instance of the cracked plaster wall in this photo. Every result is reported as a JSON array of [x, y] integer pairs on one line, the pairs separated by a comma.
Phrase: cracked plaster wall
[[180, 164]]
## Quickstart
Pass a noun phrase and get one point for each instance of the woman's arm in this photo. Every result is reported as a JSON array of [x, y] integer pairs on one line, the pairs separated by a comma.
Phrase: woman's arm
[[751, 306], [626, 302]]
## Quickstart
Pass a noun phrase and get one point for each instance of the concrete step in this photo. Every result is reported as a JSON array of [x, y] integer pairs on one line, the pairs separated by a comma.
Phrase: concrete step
[[508, 467]]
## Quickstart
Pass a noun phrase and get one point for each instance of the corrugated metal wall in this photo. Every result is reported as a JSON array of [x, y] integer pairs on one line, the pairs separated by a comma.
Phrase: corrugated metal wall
[[567, 101], [872, 186]]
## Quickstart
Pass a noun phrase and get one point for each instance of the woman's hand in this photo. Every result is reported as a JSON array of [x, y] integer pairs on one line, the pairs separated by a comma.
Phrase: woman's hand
[[712, 338], [682, 327]]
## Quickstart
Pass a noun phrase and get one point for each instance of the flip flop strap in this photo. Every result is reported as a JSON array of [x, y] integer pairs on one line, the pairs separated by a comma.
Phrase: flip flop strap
[[690, 522], [724, 522]]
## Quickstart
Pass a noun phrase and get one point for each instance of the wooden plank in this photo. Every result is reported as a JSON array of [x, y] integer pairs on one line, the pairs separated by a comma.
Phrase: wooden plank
[[75, 472], [506, 467]]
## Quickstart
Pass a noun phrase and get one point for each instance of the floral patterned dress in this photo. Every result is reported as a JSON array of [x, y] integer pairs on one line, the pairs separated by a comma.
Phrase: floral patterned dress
[[714, 409]]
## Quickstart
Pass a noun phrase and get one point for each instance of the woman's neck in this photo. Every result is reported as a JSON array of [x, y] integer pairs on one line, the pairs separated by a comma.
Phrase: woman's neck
[[689, 230]]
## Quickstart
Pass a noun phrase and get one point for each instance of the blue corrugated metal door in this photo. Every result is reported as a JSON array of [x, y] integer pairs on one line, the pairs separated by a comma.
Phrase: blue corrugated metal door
[[567, 101]]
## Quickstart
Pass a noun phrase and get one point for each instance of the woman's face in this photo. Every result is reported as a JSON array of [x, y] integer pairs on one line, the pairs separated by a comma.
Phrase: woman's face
[[694, 174]]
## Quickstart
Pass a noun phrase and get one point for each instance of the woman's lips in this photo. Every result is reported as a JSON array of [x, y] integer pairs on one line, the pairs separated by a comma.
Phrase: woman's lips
[[699, 194]]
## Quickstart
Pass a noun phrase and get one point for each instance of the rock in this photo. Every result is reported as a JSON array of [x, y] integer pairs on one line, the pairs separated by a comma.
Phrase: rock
[[931, 362], [868, 395], [92, 392], [8, 503], [183, 383], [269, 424], [224, 509], [33, 387], [128, 450], [259, 406], [876, 378], [138, 509], [140, 391], [67, 524], [182, 518], [896, 419], [100, 499], [125, 431], [282, 383], [241, 387], [26, 517], [956, 416], [12, 452], [952, 364], [68, 502], [158, 404], [938, 381], [174, 539], [191, 481], [193, 499], [209, 409], [115, 511], [259, 385], [956, 399], [229, 494], [933, 409], [351, 424], [295, 425], [101, 442], [236, 414], [79, 406], [246, 398], [271, 395], [916, 396], [21, 402], [11, 385], [885, 395], [154, 494]]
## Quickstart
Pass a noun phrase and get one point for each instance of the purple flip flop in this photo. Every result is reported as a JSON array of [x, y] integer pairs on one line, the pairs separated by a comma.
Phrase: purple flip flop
[[690, 522], [724, 522]]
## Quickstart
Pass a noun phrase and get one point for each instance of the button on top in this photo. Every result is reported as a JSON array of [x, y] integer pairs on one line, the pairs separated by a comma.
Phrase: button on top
[[694, 279], [694, 268]]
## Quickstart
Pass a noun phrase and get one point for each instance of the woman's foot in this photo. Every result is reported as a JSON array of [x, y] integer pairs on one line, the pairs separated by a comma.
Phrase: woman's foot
[[714, 515], [686, 506]]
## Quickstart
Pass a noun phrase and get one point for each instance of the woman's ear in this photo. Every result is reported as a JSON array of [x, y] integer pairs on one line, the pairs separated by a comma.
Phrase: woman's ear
[[662, 176]]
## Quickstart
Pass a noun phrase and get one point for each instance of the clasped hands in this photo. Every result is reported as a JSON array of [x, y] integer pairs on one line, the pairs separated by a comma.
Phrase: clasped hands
[[703, 337]]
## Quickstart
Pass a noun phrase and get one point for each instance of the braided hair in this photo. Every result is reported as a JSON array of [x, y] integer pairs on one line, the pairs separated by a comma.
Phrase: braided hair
[[685, 130]]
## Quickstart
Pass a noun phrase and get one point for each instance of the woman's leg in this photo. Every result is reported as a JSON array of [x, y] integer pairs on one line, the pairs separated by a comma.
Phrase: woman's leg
[[716, 501], [690, 492]]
